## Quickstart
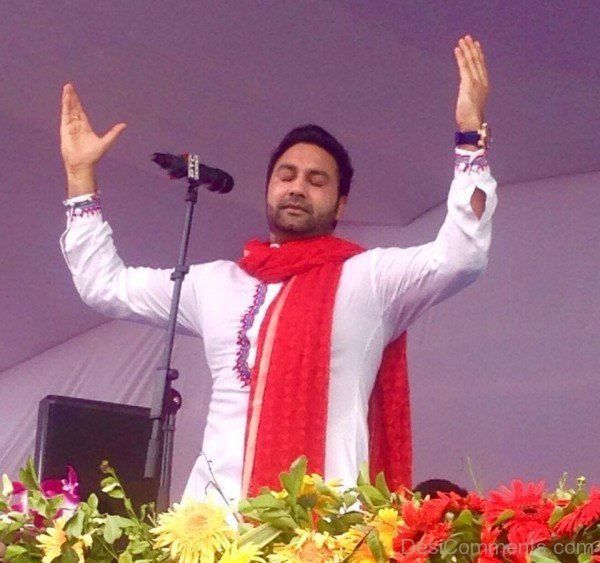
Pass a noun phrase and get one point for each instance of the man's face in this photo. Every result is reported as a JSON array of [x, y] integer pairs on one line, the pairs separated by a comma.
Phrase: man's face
[[302, 195]]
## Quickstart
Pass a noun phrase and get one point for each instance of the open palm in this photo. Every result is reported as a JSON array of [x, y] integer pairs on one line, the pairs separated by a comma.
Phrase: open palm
[[474, 85], [81, 147]]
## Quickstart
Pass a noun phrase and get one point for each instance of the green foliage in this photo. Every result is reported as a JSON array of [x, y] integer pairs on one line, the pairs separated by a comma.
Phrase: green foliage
[[85, 528], [306, 506]]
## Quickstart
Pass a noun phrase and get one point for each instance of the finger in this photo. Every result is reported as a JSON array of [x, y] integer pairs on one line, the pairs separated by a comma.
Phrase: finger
[[480, 60], [468, 48], [71, 109], [66, 104], [463, 67], [112, 135], [77, 107]]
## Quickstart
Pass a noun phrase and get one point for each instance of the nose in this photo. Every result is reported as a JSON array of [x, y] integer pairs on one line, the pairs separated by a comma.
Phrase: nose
[[297, 187]]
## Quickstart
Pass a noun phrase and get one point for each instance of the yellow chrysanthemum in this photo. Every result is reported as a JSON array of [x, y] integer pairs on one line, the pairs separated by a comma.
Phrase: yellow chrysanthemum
[[322, 500], [309, 484], [84, 543], [349, 540], [193, 531], [386, 522], [309, 545], [52, 541], [248, 553]]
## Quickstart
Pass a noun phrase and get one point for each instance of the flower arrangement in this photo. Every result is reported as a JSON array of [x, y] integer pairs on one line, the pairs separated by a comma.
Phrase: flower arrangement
[[306, 520]]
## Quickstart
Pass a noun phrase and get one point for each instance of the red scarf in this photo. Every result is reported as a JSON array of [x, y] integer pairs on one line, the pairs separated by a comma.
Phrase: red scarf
[[289, 389]]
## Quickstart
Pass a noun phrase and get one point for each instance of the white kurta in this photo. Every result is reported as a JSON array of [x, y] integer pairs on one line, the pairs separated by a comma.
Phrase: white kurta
[[381, 291]]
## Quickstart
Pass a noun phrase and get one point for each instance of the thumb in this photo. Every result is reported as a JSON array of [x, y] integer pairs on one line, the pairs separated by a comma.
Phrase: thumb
[[111, 136]]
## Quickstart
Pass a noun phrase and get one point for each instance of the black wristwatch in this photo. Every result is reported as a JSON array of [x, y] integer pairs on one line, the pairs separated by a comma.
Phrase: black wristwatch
[[481, 138]]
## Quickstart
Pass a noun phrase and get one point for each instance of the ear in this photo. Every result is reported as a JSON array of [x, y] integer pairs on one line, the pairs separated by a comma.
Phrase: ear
[[341, 207]]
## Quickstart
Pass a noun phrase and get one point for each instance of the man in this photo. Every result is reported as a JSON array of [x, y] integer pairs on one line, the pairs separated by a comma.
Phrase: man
[[304, 336]]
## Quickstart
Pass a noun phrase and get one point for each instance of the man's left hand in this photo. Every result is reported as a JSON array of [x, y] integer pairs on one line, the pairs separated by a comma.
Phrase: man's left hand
[[474, 88]]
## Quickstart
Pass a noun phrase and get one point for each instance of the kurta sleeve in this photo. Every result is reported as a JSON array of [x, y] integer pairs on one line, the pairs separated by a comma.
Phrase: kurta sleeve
[[106, 284], [407, 281]]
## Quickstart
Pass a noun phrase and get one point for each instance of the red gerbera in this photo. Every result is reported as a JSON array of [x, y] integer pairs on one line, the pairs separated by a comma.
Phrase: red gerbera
[[423, 518], [457, 502], [525, 501], [488, 546], [582, 516], [423, 530], [527, 533], [418, 548]]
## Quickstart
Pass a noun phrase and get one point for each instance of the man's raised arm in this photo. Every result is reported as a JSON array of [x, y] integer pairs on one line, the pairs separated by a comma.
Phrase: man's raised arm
[[407, 281], [473, 92], [101, 278]]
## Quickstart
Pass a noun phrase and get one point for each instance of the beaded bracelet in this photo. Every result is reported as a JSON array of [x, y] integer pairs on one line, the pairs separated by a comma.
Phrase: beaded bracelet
[[79, 200]]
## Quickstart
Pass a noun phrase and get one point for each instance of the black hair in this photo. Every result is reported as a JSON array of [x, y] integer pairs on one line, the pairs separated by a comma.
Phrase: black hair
[[432, 487], [315, 135]]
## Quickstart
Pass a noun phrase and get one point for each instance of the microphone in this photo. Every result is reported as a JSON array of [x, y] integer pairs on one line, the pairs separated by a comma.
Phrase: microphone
[[187, 166]]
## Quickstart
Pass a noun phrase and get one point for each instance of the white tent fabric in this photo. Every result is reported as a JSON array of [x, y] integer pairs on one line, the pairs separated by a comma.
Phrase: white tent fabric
[[504, 374]]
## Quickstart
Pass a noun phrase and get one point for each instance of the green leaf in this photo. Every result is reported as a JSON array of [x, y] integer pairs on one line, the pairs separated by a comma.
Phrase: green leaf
[[464, 519], [92, 501], [25, 558], [74, 526], [584, 558], [111, 486], [308, 501], [123, 522], [448, 548], [382, 487], [112, 530], [375, 546], [504, 516], [13, 551], [556, 515], [543, 555], [69, 556], [364, 478], [292, 481], [261, 535], [116, 493], [28, 475], [266, 501], [52, 505], [125, 558], [372, 495]]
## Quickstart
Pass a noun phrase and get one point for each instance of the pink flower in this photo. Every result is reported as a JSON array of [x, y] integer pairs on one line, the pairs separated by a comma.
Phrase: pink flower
[[68, 487], [18, 499]]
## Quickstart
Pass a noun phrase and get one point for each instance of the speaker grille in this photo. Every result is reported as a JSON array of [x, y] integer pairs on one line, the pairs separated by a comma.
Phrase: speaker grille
[[83, 433]]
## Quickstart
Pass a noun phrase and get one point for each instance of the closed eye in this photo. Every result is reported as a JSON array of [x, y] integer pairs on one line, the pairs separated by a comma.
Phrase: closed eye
[[286, 173], [318, 179]]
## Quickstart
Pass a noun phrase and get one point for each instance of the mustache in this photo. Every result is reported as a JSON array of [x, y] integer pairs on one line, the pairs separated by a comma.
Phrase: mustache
[[295, 202]]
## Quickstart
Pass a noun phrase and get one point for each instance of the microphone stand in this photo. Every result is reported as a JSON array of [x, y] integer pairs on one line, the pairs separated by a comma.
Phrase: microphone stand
[[166, 400]]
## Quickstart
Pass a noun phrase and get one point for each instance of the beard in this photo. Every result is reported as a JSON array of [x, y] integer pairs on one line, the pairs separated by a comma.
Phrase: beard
[[299, 223]]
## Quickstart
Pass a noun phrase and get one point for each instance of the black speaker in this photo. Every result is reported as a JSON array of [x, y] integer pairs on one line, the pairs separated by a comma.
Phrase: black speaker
[[83, 433]]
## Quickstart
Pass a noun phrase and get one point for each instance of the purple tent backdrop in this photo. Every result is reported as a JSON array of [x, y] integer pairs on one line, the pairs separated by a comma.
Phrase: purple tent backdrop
[[505, 373]]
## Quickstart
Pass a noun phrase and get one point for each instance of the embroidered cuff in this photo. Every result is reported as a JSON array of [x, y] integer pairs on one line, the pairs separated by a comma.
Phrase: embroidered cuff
[[467, 161], [83, 208], [80, 199]]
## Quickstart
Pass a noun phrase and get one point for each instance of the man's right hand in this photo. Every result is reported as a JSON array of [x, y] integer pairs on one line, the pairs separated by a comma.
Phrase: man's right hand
[[80, 147]]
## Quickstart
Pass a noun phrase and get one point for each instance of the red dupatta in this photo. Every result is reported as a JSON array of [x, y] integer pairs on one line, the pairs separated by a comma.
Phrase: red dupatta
[[289, 389]]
